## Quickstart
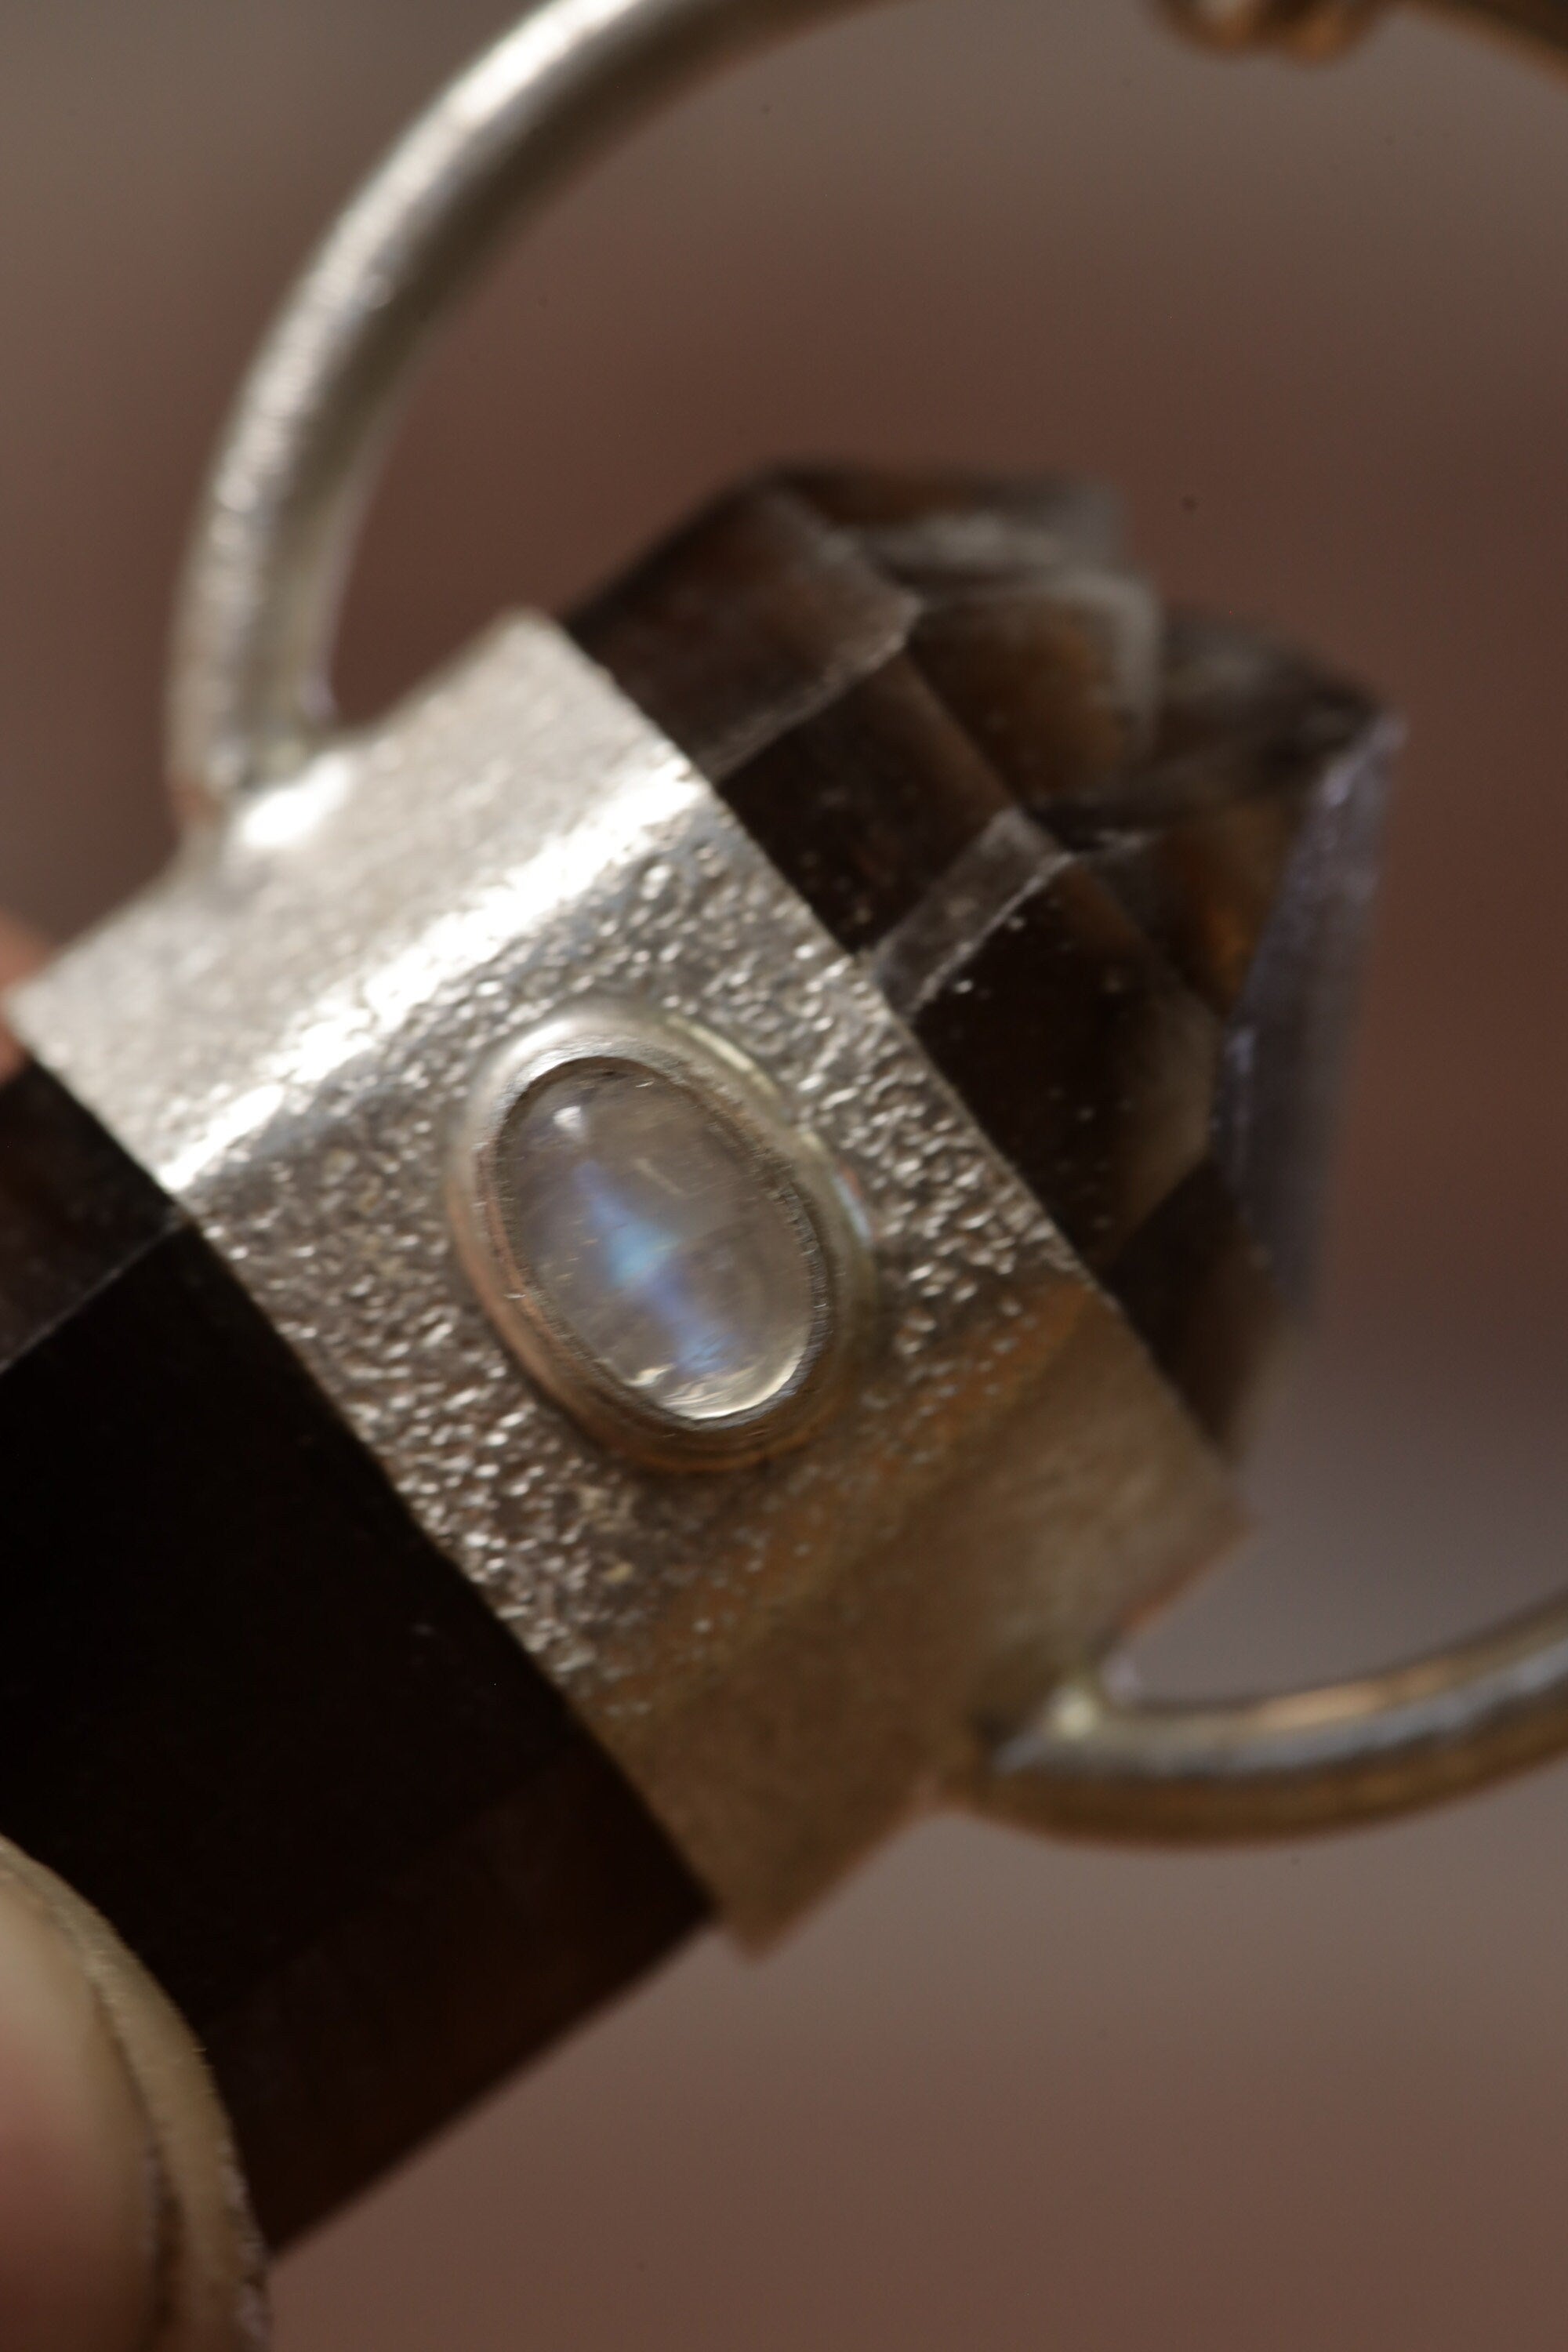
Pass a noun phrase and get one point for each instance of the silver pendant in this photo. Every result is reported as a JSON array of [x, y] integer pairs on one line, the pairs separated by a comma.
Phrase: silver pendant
[[616, 1206]]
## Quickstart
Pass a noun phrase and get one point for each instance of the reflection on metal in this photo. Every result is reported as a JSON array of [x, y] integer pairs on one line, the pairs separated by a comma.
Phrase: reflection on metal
[[248, 704]]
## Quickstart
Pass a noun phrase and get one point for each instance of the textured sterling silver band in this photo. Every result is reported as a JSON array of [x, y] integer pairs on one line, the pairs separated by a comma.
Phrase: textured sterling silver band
[[786, 1658]]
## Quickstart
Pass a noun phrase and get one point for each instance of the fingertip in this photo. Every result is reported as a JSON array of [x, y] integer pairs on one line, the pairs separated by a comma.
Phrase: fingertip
[[76, 2211], [122, 2221]]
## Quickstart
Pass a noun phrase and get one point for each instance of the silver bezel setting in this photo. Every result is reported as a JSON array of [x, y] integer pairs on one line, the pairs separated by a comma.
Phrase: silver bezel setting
[[785, 1159]]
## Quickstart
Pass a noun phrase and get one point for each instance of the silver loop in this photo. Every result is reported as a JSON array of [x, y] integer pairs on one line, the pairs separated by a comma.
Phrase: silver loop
[[247, 693], [1101, 1763], [247, 696], [248, 700]]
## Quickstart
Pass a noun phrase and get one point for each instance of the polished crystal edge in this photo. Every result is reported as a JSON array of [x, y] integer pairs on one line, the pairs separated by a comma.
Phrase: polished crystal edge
[[784, 1159]]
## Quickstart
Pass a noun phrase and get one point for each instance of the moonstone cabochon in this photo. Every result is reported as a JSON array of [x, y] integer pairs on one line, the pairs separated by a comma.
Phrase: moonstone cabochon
[[783, 1657], [652, 1240], [672, 1257]]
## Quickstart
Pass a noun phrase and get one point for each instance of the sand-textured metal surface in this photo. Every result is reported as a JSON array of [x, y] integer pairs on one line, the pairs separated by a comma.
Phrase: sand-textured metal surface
[[285, 1030]]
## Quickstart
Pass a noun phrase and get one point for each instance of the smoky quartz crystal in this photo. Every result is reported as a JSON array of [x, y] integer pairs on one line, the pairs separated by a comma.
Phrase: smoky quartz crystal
[[1111, 862]]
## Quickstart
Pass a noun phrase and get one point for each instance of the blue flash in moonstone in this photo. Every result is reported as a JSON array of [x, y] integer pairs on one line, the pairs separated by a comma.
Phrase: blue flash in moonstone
[[650, 1234]]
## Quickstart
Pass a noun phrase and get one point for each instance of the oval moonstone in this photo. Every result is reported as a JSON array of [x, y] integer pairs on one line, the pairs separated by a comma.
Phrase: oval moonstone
[[650, 1235]]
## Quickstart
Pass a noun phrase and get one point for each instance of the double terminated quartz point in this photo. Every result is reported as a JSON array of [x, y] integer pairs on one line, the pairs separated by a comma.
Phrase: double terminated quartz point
[[1112, 866]]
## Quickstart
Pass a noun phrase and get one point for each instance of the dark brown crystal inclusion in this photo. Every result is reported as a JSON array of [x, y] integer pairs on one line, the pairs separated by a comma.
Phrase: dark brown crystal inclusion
[[1111, 863]]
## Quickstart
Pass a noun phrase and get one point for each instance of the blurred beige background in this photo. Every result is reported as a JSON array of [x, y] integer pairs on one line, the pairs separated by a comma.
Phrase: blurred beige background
[[1313, 323]]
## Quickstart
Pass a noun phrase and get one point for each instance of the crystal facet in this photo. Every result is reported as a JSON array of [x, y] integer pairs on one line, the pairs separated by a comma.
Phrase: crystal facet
[[1110, 861], [655, 1242]]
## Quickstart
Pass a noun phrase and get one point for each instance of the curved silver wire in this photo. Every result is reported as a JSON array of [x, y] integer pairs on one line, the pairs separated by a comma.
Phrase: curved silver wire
[[248, 701], [248, 694], [1098, 1763]]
